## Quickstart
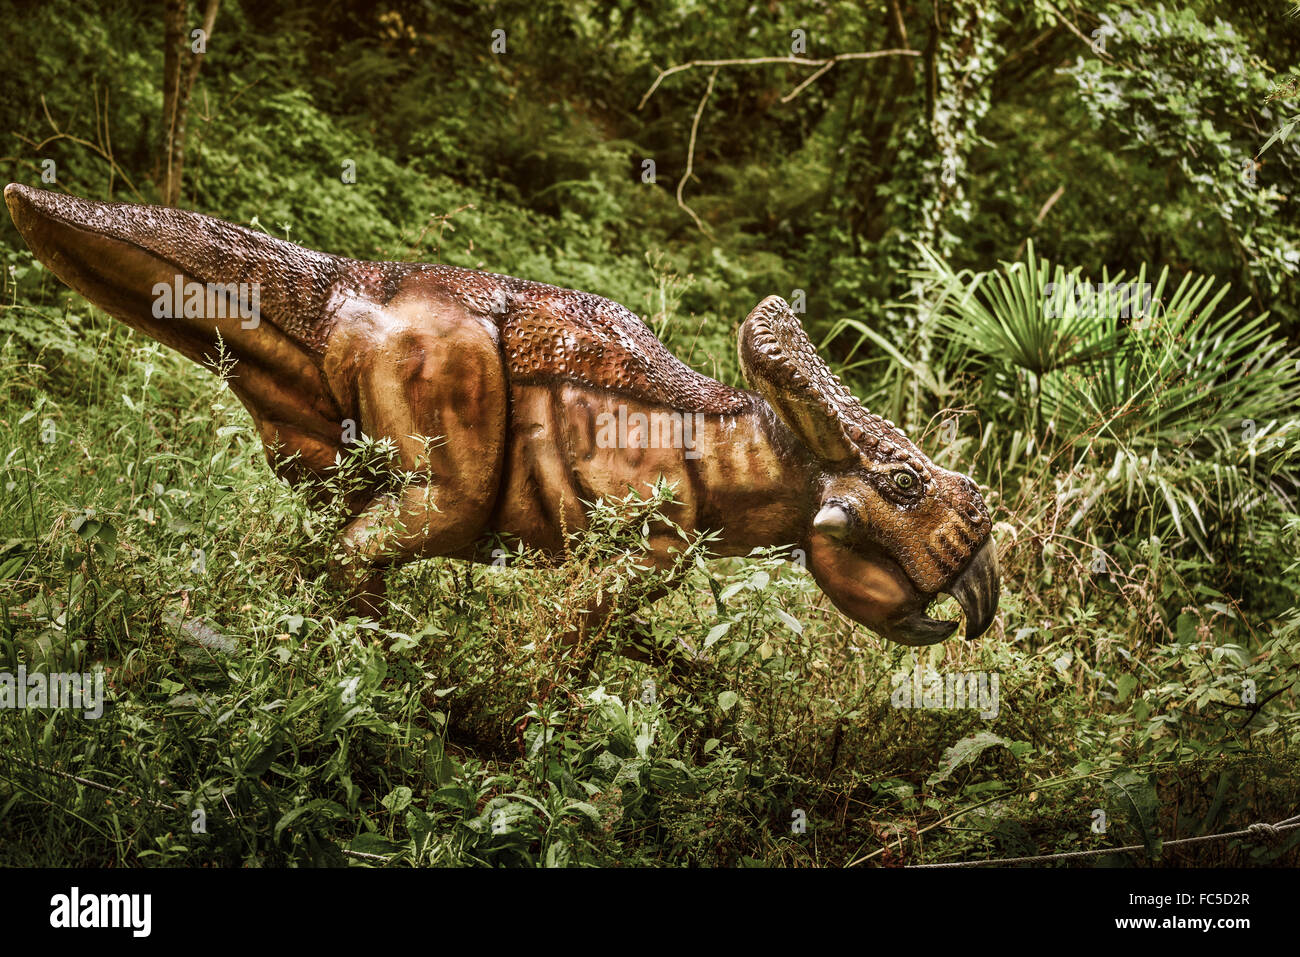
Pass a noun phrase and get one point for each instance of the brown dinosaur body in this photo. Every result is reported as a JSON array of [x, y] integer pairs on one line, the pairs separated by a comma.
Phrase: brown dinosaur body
[[538, 400]]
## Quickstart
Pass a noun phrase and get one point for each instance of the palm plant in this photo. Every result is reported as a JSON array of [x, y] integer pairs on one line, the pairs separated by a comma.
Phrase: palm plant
[[1183, 406], [1201, 402], [1024, 315]]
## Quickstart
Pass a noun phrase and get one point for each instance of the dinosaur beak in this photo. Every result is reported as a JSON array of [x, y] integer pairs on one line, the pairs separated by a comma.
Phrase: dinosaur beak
[[976, 589]]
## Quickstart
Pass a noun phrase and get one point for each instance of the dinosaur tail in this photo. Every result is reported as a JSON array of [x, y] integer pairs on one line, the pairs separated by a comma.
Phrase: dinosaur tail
[[176, 275]]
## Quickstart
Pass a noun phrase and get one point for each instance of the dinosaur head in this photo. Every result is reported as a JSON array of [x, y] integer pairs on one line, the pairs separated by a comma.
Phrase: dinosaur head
[[887, 529]]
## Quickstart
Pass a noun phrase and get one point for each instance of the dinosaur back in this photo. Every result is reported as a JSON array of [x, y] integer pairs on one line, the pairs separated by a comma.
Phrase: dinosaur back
[[550, 334]]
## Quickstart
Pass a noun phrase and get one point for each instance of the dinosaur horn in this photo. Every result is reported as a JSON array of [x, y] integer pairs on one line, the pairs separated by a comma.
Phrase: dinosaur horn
[[780, 363], [112, 253]]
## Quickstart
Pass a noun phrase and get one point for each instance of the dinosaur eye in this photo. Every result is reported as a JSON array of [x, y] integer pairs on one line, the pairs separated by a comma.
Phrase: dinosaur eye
[[906, 479]]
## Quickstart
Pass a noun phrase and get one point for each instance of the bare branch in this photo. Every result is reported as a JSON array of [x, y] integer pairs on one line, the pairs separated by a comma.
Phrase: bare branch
[[823, 66], [1042, 214], [1075, 30], [1051, 201], [757, 61], [105, 153], [690, 153], [806, 83]]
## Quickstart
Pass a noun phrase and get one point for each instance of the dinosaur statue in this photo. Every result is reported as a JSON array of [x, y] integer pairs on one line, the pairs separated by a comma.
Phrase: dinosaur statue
[[543, 399]]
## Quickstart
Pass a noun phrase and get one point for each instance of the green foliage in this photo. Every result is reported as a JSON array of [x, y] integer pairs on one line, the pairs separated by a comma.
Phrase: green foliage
[[1184, 113], [1191, 411]]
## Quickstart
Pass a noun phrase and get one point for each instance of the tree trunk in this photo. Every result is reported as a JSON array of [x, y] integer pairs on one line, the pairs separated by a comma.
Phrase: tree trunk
[[180, 70]]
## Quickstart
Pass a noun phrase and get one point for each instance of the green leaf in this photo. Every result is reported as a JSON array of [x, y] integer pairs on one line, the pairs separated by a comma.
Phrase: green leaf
[[1124, 686], [327, 808], [262, 760], [398, 800], [731, 591], [369, 842], [583, 809], [964, 752], [790, 621], [1136, 796]]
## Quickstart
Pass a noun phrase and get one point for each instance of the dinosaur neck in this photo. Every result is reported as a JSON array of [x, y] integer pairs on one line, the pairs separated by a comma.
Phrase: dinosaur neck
[[754, 481]]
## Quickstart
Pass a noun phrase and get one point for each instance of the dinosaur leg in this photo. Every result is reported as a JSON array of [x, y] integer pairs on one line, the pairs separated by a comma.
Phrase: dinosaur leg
[[436, 387], [391, 529]]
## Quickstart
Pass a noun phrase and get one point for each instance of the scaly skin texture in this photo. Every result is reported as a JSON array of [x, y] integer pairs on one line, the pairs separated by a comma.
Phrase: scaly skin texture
[[519, 384]]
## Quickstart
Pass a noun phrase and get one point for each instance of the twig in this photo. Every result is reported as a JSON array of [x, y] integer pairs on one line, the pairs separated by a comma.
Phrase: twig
[[690, 154], [1257, 831], [107, 155], [1075, 30], [444, 223], [823, 66], [87, 782], [806, 83], [756, 61], [1051, 201], [1042, 214]]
